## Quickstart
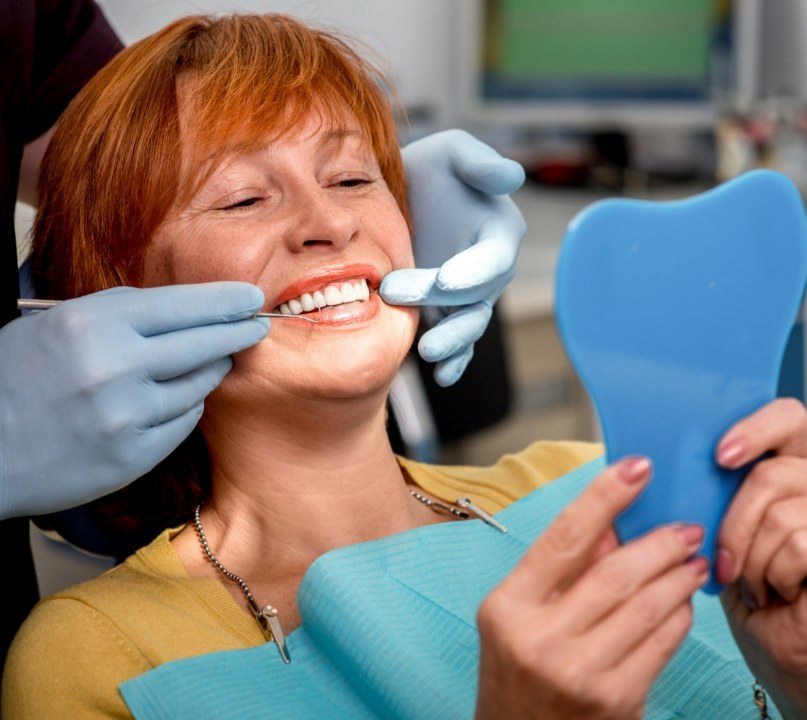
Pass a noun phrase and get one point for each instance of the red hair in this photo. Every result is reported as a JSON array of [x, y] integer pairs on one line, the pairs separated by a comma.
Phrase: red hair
[[113, 170]]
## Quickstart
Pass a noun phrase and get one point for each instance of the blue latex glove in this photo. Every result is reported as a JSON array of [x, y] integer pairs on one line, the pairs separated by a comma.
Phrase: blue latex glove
[[96, 391], [467, 235]]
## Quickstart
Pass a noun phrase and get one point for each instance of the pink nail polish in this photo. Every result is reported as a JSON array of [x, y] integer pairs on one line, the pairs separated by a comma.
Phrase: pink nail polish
[[691, 534], [699, 565], [724, 566], [634, 470], [731, 453]]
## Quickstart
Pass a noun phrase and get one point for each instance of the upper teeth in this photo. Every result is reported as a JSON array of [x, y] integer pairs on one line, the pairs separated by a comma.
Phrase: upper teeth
[[329, 295]]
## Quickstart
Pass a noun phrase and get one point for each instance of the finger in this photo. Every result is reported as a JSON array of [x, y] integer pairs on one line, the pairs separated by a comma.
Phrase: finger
[[782, 520], [455, 332], [788, 567], [646, 662], [492, 256], [160, 441], [618, 577], [177, 353], [563, 551], [769, 481], [607, 544], [447, 372], [481, 167], [175, 397], [779, 426], [419, 287], [153, 311], [634, 621]]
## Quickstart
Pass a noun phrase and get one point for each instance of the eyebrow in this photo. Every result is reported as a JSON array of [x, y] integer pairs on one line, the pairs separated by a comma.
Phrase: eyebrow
[[338, 135], [331, 137]]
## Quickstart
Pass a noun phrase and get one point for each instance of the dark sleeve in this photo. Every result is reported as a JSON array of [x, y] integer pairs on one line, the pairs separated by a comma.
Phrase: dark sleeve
[[72, 41]]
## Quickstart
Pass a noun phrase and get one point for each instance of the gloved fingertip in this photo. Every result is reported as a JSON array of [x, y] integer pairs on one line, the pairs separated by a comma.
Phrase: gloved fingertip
[[493, 175], [253, 297], [264, 326], [260, 329], [449, 371], [224, 365], [433, 348], [457, 276], [407, 287]]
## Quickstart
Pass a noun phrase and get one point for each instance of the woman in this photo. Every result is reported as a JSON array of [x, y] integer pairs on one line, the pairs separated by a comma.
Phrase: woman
[[257, 149]]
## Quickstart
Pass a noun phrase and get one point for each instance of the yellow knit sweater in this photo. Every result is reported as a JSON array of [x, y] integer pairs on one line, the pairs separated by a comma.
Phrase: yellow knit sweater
[[78, 645]]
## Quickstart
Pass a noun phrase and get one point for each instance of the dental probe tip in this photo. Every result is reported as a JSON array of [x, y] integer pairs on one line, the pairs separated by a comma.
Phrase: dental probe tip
[[286, 317]]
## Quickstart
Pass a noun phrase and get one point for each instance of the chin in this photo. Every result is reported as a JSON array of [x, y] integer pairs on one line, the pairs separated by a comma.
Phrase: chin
[[333, 363]]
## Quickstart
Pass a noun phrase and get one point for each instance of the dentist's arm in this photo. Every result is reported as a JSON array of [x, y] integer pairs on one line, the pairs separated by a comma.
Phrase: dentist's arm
[[98, 390], [467, 236]]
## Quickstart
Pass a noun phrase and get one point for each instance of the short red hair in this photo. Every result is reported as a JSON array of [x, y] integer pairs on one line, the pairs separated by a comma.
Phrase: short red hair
[[113, 169]]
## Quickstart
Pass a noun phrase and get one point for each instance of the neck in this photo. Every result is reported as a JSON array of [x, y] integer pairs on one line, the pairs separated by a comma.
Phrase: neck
[[294, 483]]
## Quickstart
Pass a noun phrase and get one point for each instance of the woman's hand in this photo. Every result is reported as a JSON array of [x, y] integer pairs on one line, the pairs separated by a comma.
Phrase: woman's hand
[[582, 627], [763, 549]]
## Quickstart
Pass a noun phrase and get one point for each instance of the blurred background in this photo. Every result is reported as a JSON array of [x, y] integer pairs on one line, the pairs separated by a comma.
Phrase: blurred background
[[655, 99]]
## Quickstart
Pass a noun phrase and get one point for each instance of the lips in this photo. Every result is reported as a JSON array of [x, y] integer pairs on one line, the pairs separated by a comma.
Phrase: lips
[[334, 276]]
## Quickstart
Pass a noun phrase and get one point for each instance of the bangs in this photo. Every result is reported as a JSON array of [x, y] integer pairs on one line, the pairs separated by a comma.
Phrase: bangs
[[254, 79], [244, 80]]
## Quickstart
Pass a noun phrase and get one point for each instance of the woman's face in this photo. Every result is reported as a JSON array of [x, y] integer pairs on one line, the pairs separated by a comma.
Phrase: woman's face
[[310, 220]]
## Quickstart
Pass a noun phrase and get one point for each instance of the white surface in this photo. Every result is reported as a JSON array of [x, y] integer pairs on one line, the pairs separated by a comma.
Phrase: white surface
[[59, 565], [23, 218]]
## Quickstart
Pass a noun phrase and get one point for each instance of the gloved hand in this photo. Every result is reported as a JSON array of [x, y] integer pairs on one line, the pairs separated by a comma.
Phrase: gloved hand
[[96, 391], [467, 235]]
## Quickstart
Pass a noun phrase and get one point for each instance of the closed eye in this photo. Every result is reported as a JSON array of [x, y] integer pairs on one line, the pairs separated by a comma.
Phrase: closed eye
[[245, 203], [353, 182]]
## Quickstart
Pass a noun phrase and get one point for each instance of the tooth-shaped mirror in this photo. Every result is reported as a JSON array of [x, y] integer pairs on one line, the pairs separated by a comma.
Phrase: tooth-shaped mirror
[[676, 315]]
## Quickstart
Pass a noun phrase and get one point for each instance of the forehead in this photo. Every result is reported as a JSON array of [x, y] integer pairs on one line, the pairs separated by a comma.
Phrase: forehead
[[241, 128], [208, 145], [237, 122]]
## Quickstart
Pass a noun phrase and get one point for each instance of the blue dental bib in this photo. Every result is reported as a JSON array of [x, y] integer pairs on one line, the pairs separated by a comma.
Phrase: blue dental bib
[[676, 316], [389, 632]]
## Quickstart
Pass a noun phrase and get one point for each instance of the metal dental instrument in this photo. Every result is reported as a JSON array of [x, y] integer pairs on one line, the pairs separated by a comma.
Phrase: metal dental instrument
[[27, 304]]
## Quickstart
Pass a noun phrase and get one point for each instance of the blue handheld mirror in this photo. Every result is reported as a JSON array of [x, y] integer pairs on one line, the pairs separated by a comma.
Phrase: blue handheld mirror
[[676, 316]]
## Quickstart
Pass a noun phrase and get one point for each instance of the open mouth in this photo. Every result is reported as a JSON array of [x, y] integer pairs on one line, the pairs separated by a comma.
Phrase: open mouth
[[354, 290]]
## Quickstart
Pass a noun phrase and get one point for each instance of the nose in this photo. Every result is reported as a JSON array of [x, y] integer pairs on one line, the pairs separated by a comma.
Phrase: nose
[[321, 219]]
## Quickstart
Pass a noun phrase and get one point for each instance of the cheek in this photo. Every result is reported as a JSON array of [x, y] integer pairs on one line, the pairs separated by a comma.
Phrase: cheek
[[388, 228], [179, 255]]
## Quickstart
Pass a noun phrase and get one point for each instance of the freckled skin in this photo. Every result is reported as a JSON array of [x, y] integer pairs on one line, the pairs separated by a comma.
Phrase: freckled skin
[[274, 216]]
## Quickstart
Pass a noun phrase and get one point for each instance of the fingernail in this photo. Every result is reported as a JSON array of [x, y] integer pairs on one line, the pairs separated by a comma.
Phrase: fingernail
[[634, 470], [691, 534], [748, 597], [731, 453], [699, 565], [725, 566]]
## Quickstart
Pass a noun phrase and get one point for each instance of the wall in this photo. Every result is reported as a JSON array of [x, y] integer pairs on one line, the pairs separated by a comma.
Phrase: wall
[[417, 37]]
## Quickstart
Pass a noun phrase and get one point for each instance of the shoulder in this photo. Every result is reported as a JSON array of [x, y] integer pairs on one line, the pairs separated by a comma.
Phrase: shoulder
[[67, 661], [78, 645], [512, 477]]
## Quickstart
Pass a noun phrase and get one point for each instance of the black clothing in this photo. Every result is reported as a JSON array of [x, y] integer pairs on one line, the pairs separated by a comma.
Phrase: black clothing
[[48, 50]]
